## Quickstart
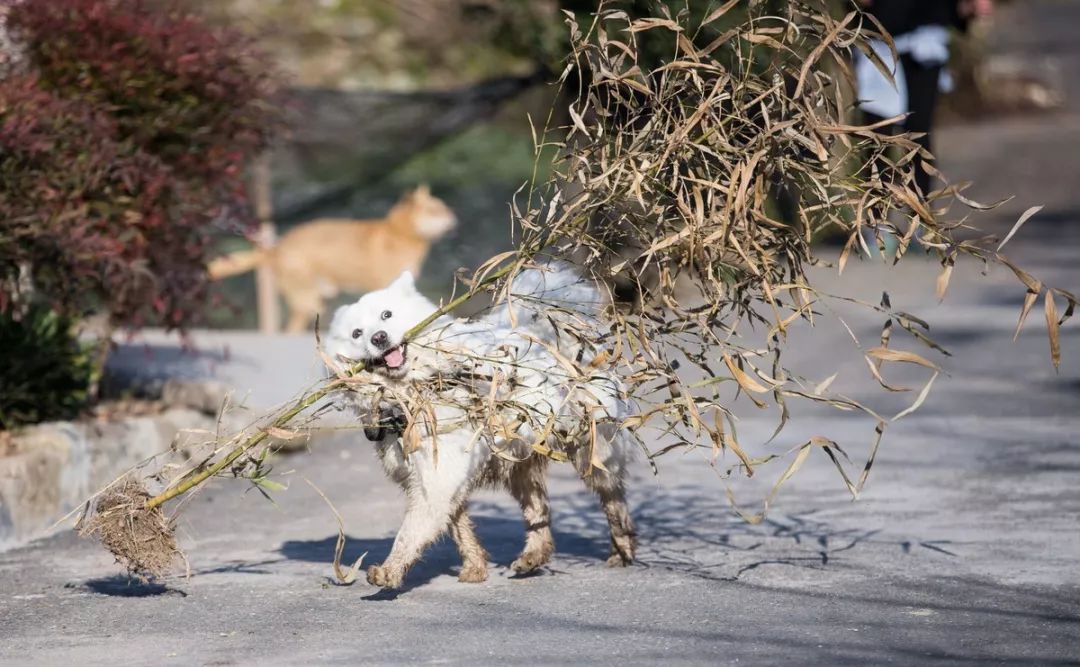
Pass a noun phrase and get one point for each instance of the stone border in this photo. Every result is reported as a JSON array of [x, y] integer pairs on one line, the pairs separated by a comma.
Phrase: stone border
[[57, 465]]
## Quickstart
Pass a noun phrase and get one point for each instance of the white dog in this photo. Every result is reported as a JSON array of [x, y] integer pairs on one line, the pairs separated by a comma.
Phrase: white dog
[[497, 389]]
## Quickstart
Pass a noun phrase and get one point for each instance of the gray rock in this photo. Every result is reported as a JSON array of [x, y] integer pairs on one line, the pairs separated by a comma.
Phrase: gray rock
[[206, 396], [56, 466]]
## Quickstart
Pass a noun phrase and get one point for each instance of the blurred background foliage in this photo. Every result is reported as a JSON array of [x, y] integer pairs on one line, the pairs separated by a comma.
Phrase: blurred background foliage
[[400, 45]]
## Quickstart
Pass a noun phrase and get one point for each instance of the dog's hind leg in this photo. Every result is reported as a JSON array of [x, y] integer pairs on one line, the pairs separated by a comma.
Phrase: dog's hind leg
[[608, 484], [623, 535], [474, 559], [528, 487]]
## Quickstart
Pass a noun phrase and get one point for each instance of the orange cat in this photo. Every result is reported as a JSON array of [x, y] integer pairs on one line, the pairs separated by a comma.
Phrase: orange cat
[[318, 260]]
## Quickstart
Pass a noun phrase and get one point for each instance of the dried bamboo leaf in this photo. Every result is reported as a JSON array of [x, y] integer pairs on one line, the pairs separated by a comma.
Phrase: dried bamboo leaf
[[886, 354], [943, 281], [1019, 223], [919, 400], [1052, 328], [745, 381], [1029, 300]]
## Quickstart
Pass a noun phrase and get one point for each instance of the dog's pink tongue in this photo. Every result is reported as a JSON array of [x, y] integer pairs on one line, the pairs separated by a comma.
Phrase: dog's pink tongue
[[394, 358]]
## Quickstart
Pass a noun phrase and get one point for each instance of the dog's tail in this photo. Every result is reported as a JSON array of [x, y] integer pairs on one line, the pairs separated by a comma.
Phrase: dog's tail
[[547, 290], [236, 263]]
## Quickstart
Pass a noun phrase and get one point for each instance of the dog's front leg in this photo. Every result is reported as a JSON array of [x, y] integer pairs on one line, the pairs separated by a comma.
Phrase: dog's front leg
[[426, 519], [434, 496]]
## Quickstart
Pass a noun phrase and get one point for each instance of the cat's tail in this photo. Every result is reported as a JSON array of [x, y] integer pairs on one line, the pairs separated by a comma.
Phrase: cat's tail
[[236, 263]]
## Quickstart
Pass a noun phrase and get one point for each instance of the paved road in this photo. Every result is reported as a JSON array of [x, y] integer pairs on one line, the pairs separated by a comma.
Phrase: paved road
[[965, 547]]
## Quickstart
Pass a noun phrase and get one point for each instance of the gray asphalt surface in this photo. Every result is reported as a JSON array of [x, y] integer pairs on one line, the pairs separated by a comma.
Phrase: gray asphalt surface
[[964, 548]]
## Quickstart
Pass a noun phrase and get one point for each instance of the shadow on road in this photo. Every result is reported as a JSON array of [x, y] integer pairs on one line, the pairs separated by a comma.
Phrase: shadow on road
[[679, 528], [127, 587], [502, 537]]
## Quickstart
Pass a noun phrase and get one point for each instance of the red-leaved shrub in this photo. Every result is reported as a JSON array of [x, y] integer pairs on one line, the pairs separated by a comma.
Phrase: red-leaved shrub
[[120, 147]]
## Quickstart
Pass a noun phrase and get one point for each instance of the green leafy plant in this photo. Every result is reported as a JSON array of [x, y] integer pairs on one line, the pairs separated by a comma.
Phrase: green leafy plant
[[46, 373]]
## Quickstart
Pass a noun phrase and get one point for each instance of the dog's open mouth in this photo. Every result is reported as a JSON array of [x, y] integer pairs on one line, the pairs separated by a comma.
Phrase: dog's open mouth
[[393, 359]]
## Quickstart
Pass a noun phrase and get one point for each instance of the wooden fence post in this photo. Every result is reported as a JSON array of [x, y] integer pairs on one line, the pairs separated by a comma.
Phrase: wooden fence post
[[266, 298]]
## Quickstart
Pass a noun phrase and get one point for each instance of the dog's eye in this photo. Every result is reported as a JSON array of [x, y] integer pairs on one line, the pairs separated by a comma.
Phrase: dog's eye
[[356, 333], [386, 314]]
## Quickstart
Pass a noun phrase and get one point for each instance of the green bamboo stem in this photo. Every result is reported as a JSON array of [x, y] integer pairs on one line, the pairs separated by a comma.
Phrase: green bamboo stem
[[194, 480]]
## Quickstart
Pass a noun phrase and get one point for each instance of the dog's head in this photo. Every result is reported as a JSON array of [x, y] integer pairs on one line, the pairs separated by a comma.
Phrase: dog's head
[[429, 216], [373, 329]]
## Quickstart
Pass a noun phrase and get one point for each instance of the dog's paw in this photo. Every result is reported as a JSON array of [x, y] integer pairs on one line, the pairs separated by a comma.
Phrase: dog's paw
[[473, 574], [392, 416], [529, 561], [389, 421], [374, 433], [384, 577], [619, 559]]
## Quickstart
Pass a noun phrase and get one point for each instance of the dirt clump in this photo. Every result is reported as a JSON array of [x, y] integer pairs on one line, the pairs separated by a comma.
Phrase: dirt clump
[[141, 539]]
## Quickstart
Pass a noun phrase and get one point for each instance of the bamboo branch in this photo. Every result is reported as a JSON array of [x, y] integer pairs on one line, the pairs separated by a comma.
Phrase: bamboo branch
[[195, 479]]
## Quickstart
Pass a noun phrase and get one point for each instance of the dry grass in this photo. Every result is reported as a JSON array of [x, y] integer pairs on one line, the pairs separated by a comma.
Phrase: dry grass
[[140, 538], [669, 176]]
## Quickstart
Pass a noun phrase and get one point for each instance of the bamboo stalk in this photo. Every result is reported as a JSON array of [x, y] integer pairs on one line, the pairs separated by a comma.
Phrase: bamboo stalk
[[194, 480]]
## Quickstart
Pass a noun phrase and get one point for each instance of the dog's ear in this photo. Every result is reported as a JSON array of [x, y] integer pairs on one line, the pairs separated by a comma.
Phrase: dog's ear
[[404, 282], [338, 320], [422, 190]]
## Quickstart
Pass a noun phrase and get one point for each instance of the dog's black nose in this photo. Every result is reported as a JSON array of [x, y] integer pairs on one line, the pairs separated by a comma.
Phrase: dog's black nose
[[380, 340]]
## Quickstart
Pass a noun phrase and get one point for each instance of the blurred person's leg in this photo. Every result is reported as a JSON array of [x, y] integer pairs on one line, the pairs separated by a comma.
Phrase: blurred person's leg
[[922, 86]]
